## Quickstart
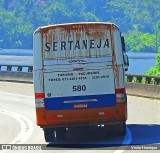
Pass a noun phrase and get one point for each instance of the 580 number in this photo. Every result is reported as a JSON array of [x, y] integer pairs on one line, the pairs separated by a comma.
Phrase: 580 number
[[79, 88]]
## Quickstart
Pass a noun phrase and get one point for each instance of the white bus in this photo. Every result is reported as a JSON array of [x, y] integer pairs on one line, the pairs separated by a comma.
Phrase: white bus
[[79, 77]]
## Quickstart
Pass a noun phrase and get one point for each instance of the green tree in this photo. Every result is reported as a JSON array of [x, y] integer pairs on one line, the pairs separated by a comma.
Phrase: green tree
[[155, 71], [127, 13], [138, 41], [19, 18]]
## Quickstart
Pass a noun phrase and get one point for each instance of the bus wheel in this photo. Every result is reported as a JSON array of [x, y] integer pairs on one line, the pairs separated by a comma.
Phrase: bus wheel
[[123, 130], [49, 134], [60, 134]]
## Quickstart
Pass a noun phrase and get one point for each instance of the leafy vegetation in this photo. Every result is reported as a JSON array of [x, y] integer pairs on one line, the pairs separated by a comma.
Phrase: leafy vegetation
[[155, 71], [138, 19]]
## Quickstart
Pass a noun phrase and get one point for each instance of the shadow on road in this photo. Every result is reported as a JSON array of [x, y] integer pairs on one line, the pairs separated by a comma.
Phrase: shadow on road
[[145, 133], [99, 138]]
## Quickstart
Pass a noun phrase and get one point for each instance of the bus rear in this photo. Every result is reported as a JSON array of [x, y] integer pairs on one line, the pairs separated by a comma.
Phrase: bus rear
[[79, 78]]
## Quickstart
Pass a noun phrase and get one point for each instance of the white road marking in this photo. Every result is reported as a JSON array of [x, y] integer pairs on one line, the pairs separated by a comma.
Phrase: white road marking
[[16, 95], [25, 124], [127, 140]]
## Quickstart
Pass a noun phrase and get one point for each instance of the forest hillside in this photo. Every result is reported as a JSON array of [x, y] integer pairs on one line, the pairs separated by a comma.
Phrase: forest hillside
[[139, 20]]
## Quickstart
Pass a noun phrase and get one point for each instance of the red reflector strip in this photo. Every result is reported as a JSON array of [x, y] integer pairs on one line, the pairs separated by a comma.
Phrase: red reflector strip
[[52, 117], [120, 90], [108, 114], [39, 95]]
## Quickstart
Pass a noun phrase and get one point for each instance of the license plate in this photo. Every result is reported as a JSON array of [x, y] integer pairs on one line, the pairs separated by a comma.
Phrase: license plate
[[80, 105]]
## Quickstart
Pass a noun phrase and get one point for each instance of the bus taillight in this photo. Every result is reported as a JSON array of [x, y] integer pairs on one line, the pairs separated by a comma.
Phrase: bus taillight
[[39, 100], [120, 95]]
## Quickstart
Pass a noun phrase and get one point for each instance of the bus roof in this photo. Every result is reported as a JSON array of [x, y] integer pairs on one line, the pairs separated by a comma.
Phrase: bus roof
[[71, 26]]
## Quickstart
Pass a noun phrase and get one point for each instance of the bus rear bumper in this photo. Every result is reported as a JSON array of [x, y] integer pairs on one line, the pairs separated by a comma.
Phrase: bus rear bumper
[[107, 116]]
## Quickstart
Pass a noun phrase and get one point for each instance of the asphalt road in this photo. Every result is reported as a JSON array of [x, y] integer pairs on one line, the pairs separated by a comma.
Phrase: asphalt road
[[18, 124]]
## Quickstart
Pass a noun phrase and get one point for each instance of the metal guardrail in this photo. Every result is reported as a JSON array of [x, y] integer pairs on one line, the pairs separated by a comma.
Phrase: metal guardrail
[[144, 79], [16, 68]]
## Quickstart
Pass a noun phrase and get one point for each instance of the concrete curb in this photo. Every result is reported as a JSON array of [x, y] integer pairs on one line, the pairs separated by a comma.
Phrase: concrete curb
[[24, 77], [143, 90]]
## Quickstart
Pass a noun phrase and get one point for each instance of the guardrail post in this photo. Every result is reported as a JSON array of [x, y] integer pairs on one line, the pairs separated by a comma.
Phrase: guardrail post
[[9, 68], [139, 79], [129, 78], [157, 81], [30, 68], [148, 80], [19, 69]]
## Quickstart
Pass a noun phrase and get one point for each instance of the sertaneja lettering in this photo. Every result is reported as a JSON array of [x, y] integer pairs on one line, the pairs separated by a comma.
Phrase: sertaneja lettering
[[71, 45]]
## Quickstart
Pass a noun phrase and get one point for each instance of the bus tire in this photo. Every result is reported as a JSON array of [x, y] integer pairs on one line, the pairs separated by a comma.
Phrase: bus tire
[[60, 134], [49, 134], [123, 131]]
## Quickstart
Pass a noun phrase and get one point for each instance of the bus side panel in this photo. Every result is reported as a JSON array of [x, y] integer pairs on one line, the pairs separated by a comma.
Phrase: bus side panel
[[37, 65], [38, 78], [119, 64], [118, 47]]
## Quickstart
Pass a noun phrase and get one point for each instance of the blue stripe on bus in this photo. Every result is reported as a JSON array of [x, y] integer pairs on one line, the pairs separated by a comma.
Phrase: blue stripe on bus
[[58, 102]]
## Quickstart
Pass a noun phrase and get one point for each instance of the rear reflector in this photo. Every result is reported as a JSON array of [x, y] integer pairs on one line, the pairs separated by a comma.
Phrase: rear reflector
[[40, 105], [105, 113], [39, 95], [39, 100], [101, 113], [59, 116], [121, 97]]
